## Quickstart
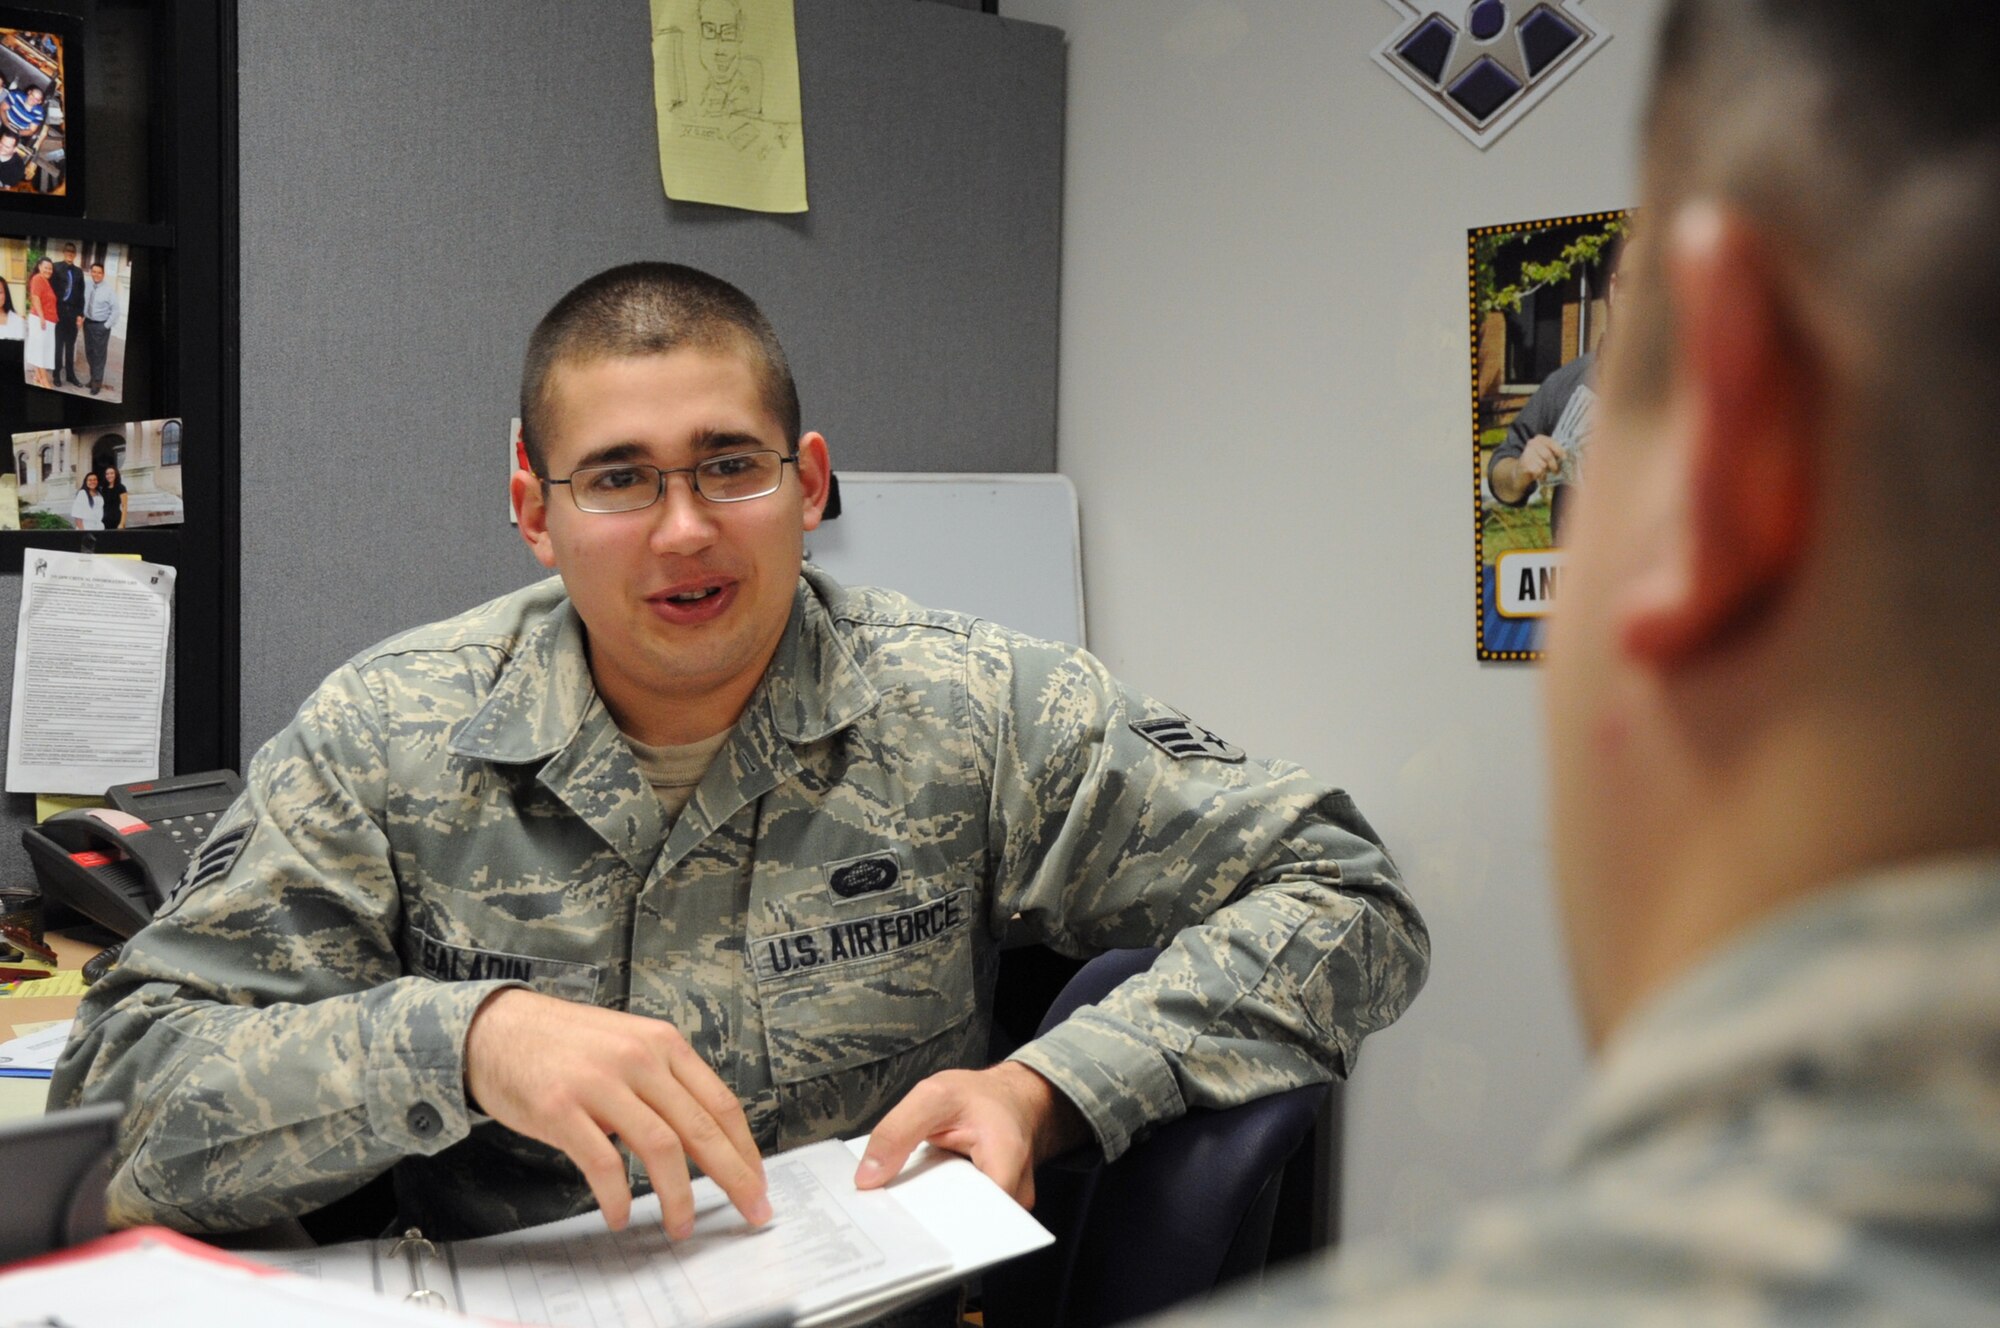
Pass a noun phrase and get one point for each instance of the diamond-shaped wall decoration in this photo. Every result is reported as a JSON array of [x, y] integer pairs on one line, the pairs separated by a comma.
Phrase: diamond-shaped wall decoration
[[1483, 64]]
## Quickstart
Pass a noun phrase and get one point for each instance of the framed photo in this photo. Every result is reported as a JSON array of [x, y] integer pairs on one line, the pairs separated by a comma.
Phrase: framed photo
[[76, 306], [41, 112], [102, 477], [1542, 301]]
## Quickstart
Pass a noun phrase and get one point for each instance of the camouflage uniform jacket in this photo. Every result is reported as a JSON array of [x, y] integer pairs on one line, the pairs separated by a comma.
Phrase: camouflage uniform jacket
[[455, 810], [1805, 1132]]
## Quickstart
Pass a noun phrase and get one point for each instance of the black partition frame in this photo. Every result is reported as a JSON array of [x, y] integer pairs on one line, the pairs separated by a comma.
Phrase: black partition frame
[[180, 219]]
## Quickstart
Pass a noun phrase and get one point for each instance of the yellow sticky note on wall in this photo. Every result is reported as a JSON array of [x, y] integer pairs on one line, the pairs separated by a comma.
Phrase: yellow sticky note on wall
[[726, 93], [48, 804]]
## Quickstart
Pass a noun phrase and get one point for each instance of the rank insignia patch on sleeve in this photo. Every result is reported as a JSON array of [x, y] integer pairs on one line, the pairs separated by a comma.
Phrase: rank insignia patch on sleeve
[[1181, 739], [214, 860]]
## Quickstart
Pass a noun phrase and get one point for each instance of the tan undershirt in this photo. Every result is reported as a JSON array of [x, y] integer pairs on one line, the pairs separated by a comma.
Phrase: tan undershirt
[[675, 771]]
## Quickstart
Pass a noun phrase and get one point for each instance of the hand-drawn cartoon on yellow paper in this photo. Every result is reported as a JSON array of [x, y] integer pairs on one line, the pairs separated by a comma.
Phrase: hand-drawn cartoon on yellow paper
[[726, 90]]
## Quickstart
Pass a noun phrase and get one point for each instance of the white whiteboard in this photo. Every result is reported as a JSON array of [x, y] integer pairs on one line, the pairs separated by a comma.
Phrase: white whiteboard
[[1002, 547]]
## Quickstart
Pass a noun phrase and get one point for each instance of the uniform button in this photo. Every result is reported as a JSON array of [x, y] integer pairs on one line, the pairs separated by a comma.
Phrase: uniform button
[[424, 1120]]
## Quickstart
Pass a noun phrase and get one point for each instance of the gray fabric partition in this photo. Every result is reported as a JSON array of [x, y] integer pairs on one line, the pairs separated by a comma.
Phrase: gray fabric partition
[[419, 183]]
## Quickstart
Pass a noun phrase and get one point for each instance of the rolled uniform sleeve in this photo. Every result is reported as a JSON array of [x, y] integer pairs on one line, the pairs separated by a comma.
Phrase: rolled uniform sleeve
[[1289, 937], [273, 1053]]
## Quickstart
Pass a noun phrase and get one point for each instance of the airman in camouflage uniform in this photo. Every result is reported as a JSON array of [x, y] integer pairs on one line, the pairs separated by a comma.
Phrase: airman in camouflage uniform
[[1804, 1134], [456, 813], [1773, 729], [455, 810]]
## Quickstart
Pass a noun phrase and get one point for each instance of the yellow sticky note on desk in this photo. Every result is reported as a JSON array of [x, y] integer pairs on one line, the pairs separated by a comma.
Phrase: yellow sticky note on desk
[[66, 982], [726, 94]]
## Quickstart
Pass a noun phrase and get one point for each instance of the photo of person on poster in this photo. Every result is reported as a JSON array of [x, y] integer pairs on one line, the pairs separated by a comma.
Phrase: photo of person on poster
[[1546, 441], [1543, 295]]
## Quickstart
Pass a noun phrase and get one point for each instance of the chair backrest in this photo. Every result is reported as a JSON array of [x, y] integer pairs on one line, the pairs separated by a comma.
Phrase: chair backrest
[[1185, 1210]]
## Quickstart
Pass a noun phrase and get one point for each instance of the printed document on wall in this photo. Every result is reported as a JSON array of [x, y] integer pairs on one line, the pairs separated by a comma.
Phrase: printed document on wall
[[90, 669], [726, 92]]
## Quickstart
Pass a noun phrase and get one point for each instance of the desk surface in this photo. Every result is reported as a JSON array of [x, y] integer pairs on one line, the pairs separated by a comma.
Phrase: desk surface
[[23, 1014]]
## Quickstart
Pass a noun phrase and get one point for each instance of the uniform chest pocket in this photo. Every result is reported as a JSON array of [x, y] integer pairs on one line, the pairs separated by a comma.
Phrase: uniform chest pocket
[[867, 988]]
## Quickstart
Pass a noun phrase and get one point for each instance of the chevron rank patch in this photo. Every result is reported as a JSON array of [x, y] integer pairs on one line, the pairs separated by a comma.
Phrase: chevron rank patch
[[1183, 738], [216, 857]]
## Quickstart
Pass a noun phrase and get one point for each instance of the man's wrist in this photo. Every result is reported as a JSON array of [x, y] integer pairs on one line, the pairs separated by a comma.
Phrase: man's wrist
[[1055, 1124]]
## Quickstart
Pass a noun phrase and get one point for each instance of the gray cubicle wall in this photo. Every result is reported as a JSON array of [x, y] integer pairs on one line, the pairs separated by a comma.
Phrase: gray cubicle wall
[[421, 180]]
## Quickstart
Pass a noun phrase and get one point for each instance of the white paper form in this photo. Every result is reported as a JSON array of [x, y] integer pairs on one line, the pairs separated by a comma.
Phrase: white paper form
[[36, 1053], [826, 1244], [832, 1254], [90, 665]]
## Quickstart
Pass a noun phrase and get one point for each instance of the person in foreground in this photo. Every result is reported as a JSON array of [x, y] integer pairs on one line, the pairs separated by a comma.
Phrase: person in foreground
[[1773, 724], [692, 851]]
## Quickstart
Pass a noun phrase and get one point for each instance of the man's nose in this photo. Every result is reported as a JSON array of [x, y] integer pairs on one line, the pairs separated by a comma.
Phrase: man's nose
[[686, 520]]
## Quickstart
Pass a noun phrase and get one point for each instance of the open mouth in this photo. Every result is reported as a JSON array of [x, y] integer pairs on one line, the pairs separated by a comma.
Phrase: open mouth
[[695, 604]]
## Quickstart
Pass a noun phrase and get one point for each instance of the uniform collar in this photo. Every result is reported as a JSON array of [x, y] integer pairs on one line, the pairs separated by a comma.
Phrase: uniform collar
[[544, 695], [814, 686], [541, 698], [1840, 987]]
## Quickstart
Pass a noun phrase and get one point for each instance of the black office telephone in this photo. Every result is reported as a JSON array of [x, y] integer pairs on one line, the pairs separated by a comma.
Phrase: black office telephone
[[116, 864]]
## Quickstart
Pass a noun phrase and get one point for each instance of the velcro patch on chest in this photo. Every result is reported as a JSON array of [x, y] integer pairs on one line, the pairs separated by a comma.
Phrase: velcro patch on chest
[[854, 939], [1183, 739], [863, 876], [444, 962]]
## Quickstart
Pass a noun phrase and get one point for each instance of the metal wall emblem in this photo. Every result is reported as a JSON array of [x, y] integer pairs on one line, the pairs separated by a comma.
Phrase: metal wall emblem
[[1483, 64]]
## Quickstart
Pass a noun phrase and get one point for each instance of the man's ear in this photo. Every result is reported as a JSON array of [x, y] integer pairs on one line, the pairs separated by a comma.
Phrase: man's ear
[[815, 469], [1746, 414], [531, 513]]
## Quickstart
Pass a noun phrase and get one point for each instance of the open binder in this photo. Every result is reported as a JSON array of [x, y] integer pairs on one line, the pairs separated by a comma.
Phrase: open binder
[[412, 1247], [831, 1256]]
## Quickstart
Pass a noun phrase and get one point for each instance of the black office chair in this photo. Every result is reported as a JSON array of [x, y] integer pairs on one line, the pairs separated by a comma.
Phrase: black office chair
[[1186, 1210]]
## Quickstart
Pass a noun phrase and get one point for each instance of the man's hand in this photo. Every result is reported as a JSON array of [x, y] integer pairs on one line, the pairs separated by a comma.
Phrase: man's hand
[[1512, 477], [574, 1076], [1007, 1119]]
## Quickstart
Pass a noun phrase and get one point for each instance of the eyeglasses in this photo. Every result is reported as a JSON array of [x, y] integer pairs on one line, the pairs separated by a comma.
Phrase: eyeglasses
[[718, 31], [630, 486]]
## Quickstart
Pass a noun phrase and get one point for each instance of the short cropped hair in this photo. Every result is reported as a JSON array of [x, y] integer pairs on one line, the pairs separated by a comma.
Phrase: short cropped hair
[[1862, 137], [650, 309]]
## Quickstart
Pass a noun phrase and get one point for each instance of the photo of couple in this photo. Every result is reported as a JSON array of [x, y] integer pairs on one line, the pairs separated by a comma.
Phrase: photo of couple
[[116, 477]]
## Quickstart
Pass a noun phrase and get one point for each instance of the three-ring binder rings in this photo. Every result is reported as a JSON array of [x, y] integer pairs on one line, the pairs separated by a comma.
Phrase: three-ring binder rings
[[831, 1255], [413, 1247]]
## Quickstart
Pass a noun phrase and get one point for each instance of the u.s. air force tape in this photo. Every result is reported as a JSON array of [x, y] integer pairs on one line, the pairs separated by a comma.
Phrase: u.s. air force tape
[[1183, 738], [854, 939]]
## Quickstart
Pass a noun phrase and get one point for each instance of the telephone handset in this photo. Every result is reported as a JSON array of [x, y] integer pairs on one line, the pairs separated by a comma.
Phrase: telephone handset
[[116, 865]]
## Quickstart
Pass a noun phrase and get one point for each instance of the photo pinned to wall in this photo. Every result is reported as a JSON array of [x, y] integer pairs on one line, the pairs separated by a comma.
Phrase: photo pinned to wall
[[77, 302], [1543, 298], [13, 289], [103, 477], [10, 494], [41, 122]]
